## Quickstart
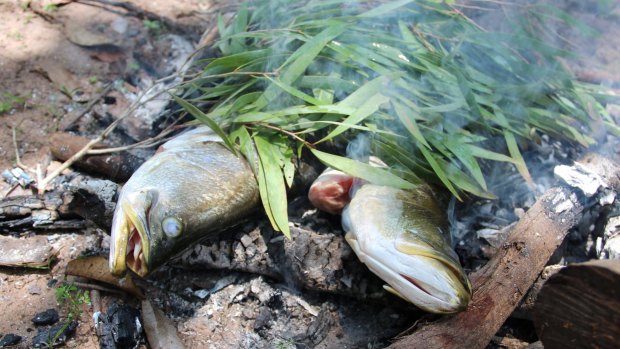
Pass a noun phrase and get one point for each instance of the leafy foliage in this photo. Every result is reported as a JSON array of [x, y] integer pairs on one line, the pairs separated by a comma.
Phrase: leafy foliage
[[71, 297], [438, 93]]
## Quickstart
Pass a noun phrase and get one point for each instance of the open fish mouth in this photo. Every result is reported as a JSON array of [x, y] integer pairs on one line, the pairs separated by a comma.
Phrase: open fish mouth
[[135, 253], [129, 246]]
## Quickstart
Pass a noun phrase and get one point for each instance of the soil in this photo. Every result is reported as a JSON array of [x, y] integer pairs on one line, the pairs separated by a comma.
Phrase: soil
[[56, 56]]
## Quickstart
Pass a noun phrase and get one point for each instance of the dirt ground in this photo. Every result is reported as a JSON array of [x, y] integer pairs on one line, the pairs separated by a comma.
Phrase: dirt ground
[[56, 56]]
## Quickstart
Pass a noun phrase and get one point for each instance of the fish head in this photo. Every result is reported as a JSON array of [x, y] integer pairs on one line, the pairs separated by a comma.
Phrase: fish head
[[431, 280], [146, 231], [407, 248]]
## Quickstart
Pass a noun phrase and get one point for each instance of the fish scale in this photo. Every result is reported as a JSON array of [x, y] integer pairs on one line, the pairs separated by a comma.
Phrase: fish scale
[[197, 184]]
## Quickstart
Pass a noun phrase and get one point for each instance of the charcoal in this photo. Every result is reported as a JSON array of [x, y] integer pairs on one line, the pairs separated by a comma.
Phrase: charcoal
[[48, 317], [54, 335], [10, 340]]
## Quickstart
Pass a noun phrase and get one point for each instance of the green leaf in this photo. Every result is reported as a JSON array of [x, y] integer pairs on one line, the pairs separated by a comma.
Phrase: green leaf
[[463, 153], [386, 8], [247, 147], [299, 61], [271, 179], [202, 117], [513, 149], [366, 109], [439, 171], [358, 169], [295, 92], [406, 118]]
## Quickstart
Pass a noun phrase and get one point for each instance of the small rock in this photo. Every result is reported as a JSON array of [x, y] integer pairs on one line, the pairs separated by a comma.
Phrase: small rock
[[34, 289], [48, 317], [246, 240], [263, 319], [10, 340], [249, 313], [202, 293], [250, 251]]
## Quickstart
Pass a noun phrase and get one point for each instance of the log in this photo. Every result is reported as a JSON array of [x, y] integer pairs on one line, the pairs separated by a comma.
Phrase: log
[[501, 284], [115, 166], [579, 307]]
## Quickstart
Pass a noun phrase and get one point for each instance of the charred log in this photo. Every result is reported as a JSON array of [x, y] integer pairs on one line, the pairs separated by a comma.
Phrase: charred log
[[501, 283], [579, 307]]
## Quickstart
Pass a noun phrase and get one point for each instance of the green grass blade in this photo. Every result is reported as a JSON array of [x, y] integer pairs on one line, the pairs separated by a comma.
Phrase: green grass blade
[[299, 61], [405, 116], [369, 107]]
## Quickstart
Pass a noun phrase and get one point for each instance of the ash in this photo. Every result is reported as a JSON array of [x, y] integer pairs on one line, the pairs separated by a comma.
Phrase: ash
[[478, 226]]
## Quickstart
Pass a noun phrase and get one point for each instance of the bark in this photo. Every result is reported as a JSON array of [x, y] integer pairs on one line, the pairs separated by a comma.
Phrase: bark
[[66, 207], [504, 280], [318, 260], [579, 307]]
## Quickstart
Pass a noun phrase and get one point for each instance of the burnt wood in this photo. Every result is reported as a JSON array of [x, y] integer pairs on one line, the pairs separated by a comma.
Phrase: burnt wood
[[501, 284], [579, 307]]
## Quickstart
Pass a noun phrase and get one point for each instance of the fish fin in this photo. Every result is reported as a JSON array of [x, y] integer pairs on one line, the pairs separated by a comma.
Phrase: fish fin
[[394, 292]]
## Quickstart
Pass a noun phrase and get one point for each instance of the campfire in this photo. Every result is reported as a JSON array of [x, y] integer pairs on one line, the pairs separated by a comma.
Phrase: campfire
[[406, 174]]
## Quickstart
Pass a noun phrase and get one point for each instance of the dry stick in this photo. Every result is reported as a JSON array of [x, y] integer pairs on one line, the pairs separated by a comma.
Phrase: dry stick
[[84, 151], [89, 105], [18, 160], [149, 142], [50, 177], [504, 280]]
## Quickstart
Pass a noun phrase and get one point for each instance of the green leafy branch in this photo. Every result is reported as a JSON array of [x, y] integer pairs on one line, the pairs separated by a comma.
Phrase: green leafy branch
[[436, 91]]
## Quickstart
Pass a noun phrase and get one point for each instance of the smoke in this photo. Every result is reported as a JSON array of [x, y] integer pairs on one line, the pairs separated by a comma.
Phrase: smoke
[[359, 148]]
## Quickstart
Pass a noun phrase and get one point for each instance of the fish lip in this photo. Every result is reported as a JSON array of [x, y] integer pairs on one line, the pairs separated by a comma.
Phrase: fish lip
[[129, 223], [140, 225], [462, 294]]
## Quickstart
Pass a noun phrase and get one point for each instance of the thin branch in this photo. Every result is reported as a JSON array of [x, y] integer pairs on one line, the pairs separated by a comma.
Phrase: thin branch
[[149, 142], [90, 105], [96, 287], [18, 160], [41, 185], [286, 132]]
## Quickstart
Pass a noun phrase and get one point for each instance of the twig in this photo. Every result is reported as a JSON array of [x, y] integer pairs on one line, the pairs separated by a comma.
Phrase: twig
[[41, 185], [89, 106], [95, 299], [149, 142], [288, 133], [18, 160], [96, 287]]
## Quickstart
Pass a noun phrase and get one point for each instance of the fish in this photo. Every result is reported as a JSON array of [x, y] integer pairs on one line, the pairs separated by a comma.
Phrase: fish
[[402, 237], [192, 188]]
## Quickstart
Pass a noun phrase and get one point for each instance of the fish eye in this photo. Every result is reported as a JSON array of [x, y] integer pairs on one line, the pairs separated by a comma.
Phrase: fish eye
[[172, 227]]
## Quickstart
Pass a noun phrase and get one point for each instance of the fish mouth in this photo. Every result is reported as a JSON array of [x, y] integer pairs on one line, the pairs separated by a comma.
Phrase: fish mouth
[[436, 286], [129, 247], [451, 296]]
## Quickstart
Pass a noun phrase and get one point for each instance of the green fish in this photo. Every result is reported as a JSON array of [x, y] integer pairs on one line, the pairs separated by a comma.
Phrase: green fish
[[192, 188], [401, 235]]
